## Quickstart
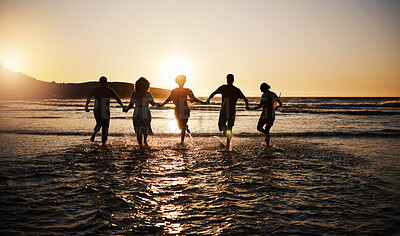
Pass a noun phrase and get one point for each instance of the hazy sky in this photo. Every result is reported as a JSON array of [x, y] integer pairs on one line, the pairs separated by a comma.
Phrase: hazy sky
[[299, 47]]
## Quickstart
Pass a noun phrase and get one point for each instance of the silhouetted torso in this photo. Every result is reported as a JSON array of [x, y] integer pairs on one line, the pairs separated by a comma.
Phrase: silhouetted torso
[[230, 95], [102, 95], [269, 99], [180, 96]]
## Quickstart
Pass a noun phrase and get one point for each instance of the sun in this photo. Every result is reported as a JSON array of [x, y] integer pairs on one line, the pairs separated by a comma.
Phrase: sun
[[11, 62], [173, 67]]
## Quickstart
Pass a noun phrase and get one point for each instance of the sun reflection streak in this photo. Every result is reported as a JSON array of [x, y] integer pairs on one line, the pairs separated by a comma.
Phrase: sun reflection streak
[[168, 187], [172, 125]]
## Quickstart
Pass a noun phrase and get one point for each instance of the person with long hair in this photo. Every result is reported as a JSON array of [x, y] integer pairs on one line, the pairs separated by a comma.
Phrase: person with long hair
[[269, 102], [141, 98], [180, 96]]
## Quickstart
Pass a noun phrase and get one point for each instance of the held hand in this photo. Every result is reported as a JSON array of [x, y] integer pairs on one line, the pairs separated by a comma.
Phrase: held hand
[[87, 109], [158, 105], [248, 108], [124, 109], [208, 102]]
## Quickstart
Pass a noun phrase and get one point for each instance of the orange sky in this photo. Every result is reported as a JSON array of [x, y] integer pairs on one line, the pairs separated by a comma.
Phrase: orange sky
[[299, 47]]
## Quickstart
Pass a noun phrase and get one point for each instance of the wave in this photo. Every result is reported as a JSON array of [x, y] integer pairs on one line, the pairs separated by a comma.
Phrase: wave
[[381, 133], [387, 104], [344, 112]]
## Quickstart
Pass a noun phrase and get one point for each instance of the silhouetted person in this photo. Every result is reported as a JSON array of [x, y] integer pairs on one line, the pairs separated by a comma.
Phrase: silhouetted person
[[102, 95], [141, 98], [230, 95], [268, 104], [180, 96]]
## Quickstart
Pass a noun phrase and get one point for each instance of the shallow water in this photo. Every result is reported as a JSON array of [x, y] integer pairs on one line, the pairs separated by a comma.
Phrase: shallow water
[[299, 187], [335, 170]]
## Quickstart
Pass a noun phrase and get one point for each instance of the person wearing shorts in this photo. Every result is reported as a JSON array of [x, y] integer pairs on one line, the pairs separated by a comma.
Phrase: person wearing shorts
[[230, 95], [180, 96], [267, 118], [102, 95]]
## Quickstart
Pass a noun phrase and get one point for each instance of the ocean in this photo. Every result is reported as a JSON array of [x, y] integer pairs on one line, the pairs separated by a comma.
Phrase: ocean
[[334, 169]]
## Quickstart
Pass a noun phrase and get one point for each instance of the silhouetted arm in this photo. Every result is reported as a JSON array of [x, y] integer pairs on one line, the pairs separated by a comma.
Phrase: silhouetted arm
[[152, 102], [115, 96], [118, 100], [88, 101], [259, 105], [245, 100], [131, 103], [167, 100], [279, 103], [194, 99], [213, 94]]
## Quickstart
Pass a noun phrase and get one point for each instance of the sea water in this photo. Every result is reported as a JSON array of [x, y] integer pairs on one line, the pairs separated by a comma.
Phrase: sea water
[[335, 169]]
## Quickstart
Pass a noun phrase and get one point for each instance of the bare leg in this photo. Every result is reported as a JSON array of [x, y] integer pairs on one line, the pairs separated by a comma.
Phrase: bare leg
[[228, 135], [96, 129], [267, 136], [145, 138], [182, 135], [104, 134], [104, 131], [139, 139]]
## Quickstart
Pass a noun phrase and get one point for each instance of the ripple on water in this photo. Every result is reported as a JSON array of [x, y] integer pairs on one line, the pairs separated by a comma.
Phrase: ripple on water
[[294, 189]]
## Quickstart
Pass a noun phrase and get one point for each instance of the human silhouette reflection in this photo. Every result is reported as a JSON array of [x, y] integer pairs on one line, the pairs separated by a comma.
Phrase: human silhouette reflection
[[141, 98], [230, 95], [180, 96], [269, 102], [102, 95]]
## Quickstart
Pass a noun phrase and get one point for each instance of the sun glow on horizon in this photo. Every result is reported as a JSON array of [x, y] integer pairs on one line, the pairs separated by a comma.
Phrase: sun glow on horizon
[[11, 62], [173, 67]]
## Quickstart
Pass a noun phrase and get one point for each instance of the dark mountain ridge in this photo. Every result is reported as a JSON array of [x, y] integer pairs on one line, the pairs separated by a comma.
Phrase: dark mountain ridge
[[15, 85]]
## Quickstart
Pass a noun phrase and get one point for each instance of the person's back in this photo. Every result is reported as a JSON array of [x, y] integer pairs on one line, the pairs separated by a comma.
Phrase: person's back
[[180, 96], [269, 101], [230, 95], [142, 101], [268, 104], [102, 95]]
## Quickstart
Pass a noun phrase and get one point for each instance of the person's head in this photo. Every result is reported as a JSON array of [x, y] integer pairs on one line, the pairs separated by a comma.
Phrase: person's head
[[229, 79], [103, 81], [180, 80], [264, 87], [142, 85]]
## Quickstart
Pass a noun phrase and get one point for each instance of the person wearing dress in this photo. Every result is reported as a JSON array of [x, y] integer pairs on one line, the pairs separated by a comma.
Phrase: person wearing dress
[[141, 98]]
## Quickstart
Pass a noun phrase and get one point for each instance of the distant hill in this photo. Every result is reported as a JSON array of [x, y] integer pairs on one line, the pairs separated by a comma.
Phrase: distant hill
[[20, 86]]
